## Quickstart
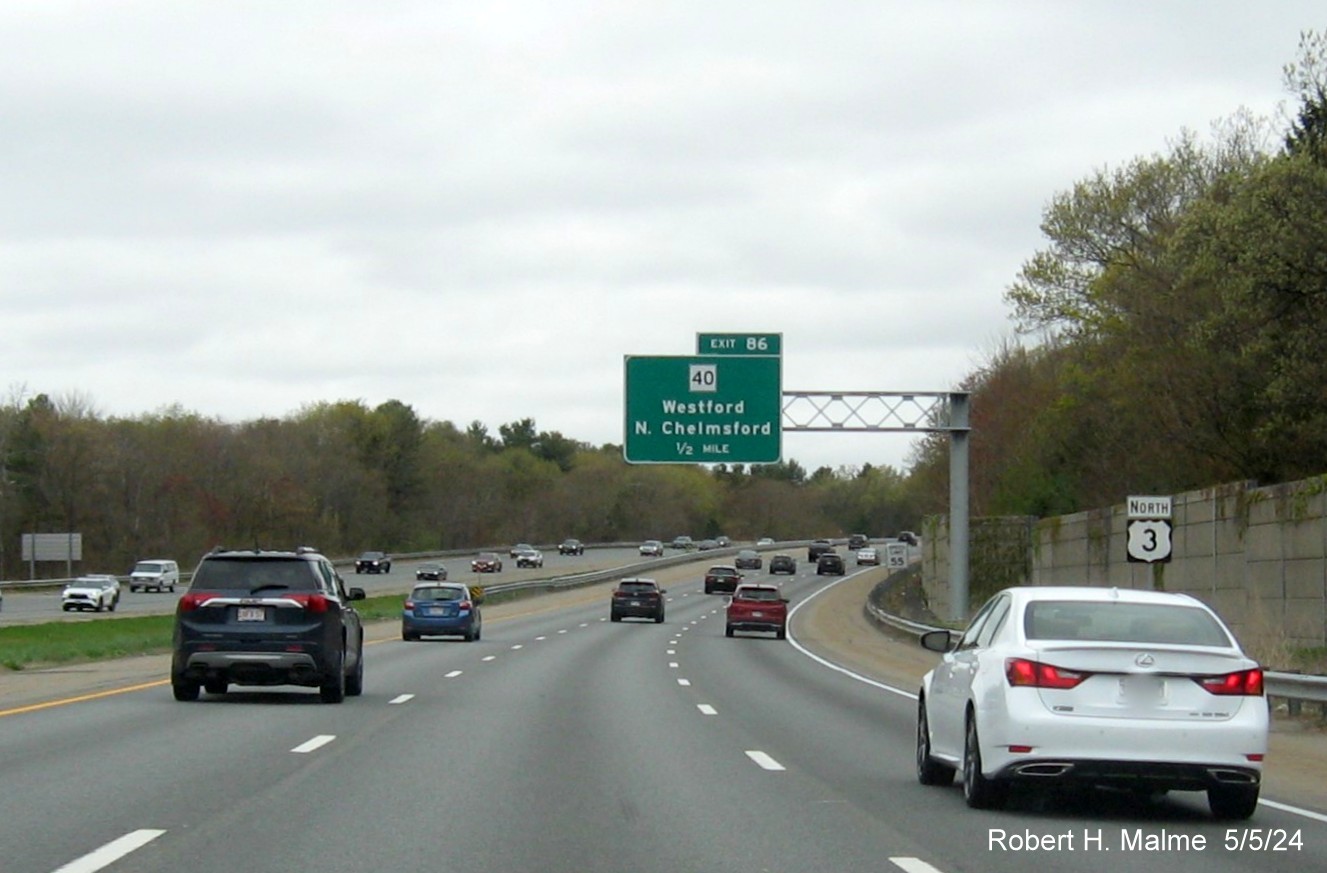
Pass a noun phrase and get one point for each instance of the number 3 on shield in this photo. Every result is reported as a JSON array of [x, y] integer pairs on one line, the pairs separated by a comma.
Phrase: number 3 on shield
[[704, 377]]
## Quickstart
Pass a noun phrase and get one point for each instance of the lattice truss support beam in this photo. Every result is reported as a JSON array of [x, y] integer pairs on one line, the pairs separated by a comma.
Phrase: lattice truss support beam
[[882, 411]]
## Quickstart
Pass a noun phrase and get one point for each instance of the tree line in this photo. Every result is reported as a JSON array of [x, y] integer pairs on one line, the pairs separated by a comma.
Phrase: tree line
[[345, 477], [1179, 312]]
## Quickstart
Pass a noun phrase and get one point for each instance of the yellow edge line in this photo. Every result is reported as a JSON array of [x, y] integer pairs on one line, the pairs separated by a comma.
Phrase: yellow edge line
[[64, 701]]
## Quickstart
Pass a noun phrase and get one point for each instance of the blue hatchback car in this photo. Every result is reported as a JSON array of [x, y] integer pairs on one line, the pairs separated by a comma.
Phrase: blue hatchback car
[[436, 609]]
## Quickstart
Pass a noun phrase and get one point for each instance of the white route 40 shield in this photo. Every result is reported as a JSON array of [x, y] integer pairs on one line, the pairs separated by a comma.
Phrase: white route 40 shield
[[1149, 540]]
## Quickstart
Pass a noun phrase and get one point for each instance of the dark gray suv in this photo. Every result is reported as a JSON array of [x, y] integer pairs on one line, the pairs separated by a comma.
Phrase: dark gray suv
[[260, 617]]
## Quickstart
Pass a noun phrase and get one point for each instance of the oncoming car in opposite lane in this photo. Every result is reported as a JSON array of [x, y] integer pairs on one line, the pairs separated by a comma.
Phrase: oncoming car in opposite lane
[[1142, 690]]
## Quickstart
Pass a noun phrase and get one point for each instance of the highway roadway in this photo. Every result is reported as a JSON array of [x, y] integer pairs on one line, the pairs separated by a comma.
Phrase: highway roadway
[[560, 742]]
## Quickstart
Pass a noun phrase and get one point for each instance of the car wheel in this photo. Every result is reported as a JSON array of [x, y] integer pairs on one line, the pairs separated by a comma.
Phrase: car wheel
[[728, 631], [215, 686], [408, 636], [929, 770], [185, 691], [1232, 801], [658, 619], [99, 607], [172, 589], [355, 681], [479, 631], [978, 791], [66, 607], [781, 633], [613, 616], [114, 603], [333, 689]]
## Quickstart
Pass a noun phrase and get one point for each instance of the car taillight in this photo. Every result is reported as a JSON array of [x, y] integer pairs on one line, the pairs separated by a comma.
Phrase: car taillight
[[1022, 671], [1242, 682], [410, 604], [316, 603], [190, 601], [464, 605]]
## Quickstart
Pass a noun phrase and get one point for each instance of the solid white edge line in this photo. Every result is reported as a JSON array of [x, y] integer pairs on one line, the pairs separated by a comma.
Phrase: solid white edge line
[[111, 852], [401, 698], [764, 760], [913, 865], [792, 640], [1284, 807], [314, 744], [1295, 810]]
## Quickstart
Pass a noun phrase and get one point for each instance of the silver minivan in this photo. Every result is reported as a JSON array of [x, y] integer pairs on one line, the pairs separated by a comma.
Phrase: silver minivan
[[157, 574]]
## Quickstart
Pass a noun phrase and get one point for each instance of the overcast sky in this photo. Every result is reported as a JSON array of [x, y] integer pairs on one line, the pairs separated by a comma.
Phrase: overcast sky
[[479, 208]]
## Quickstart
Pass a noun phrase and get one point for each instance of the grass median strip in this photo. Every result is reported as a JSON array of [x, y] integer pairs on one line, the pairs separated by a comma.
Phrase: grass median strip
[[24, 646]]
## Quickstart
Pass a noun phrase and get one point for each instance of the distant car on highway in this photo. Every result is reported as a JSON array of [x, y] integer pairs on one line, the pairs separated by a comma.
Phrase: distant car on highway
[[722, 542], [782, 564], [637, 598], [431, 571], [518, 548], [765, 541], [157, 574], [818, 548], [529, 558], [707, 545], [830, 564], [571, 547], [1144, 691], [443, 609], [486, 562], [748, 559], [373, 562], [857, 541], [868, 556], [722, 577], [757, 607], [95, 591], [652, 548], [682, 542], [907, 536]]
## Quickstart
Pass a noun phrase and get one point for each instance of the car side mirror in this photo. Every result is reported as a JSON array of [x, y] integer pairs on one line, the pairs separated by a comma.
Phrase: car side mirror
[[784, 600], [937, 641], [356, 594], [663, 590]]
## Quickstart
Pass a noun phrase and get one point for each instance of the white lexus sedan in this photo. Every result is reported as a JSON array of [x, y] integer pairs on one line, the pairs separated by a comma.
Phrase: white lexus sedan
[[1142, 690]]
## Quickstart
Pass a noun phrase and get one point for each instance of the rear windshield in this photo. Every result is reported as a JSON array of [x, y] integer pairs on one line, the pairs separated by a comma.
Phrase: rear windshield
[[637, 587], [148, 567], [240, 574], [1123, 623], [757, 594], [435, 593]]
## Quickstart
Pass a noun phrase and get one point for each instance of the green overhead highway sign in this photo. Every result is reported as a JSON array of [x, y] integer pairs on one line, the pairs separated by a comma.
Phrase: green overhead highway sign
[[703, 410], [739, 344]]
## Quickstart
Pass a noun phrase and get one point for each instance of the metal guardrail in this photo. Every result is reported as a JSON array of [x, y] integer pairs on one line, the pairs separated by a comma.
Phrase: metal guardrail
[[1294, 688]]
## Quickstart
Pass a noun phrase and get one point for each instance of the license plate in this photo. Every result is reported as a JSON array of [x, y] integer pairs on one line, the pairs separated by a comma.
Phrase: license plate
[[1143, 689], [757, 615], [251, 613], [436, 610], [635, 603]]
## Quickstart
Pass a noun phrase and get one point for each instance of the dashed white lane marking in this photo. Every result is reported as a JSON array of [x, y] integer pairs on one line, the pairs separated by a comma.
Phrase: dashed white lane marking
[[401, 698], [452, 675], [314, 744], [563, 631], [764, 760], [684, 682], [585, 624], [913, 865], [671, 652], [706, 709], [111, 852], [672, 665], [490, 658], [517, 646], [537, 639]]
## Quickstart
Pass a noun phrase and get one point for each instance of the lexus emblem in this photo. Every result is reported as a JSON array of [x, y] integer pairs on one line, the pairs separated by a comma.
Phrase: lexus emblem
[[1145, 660]]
